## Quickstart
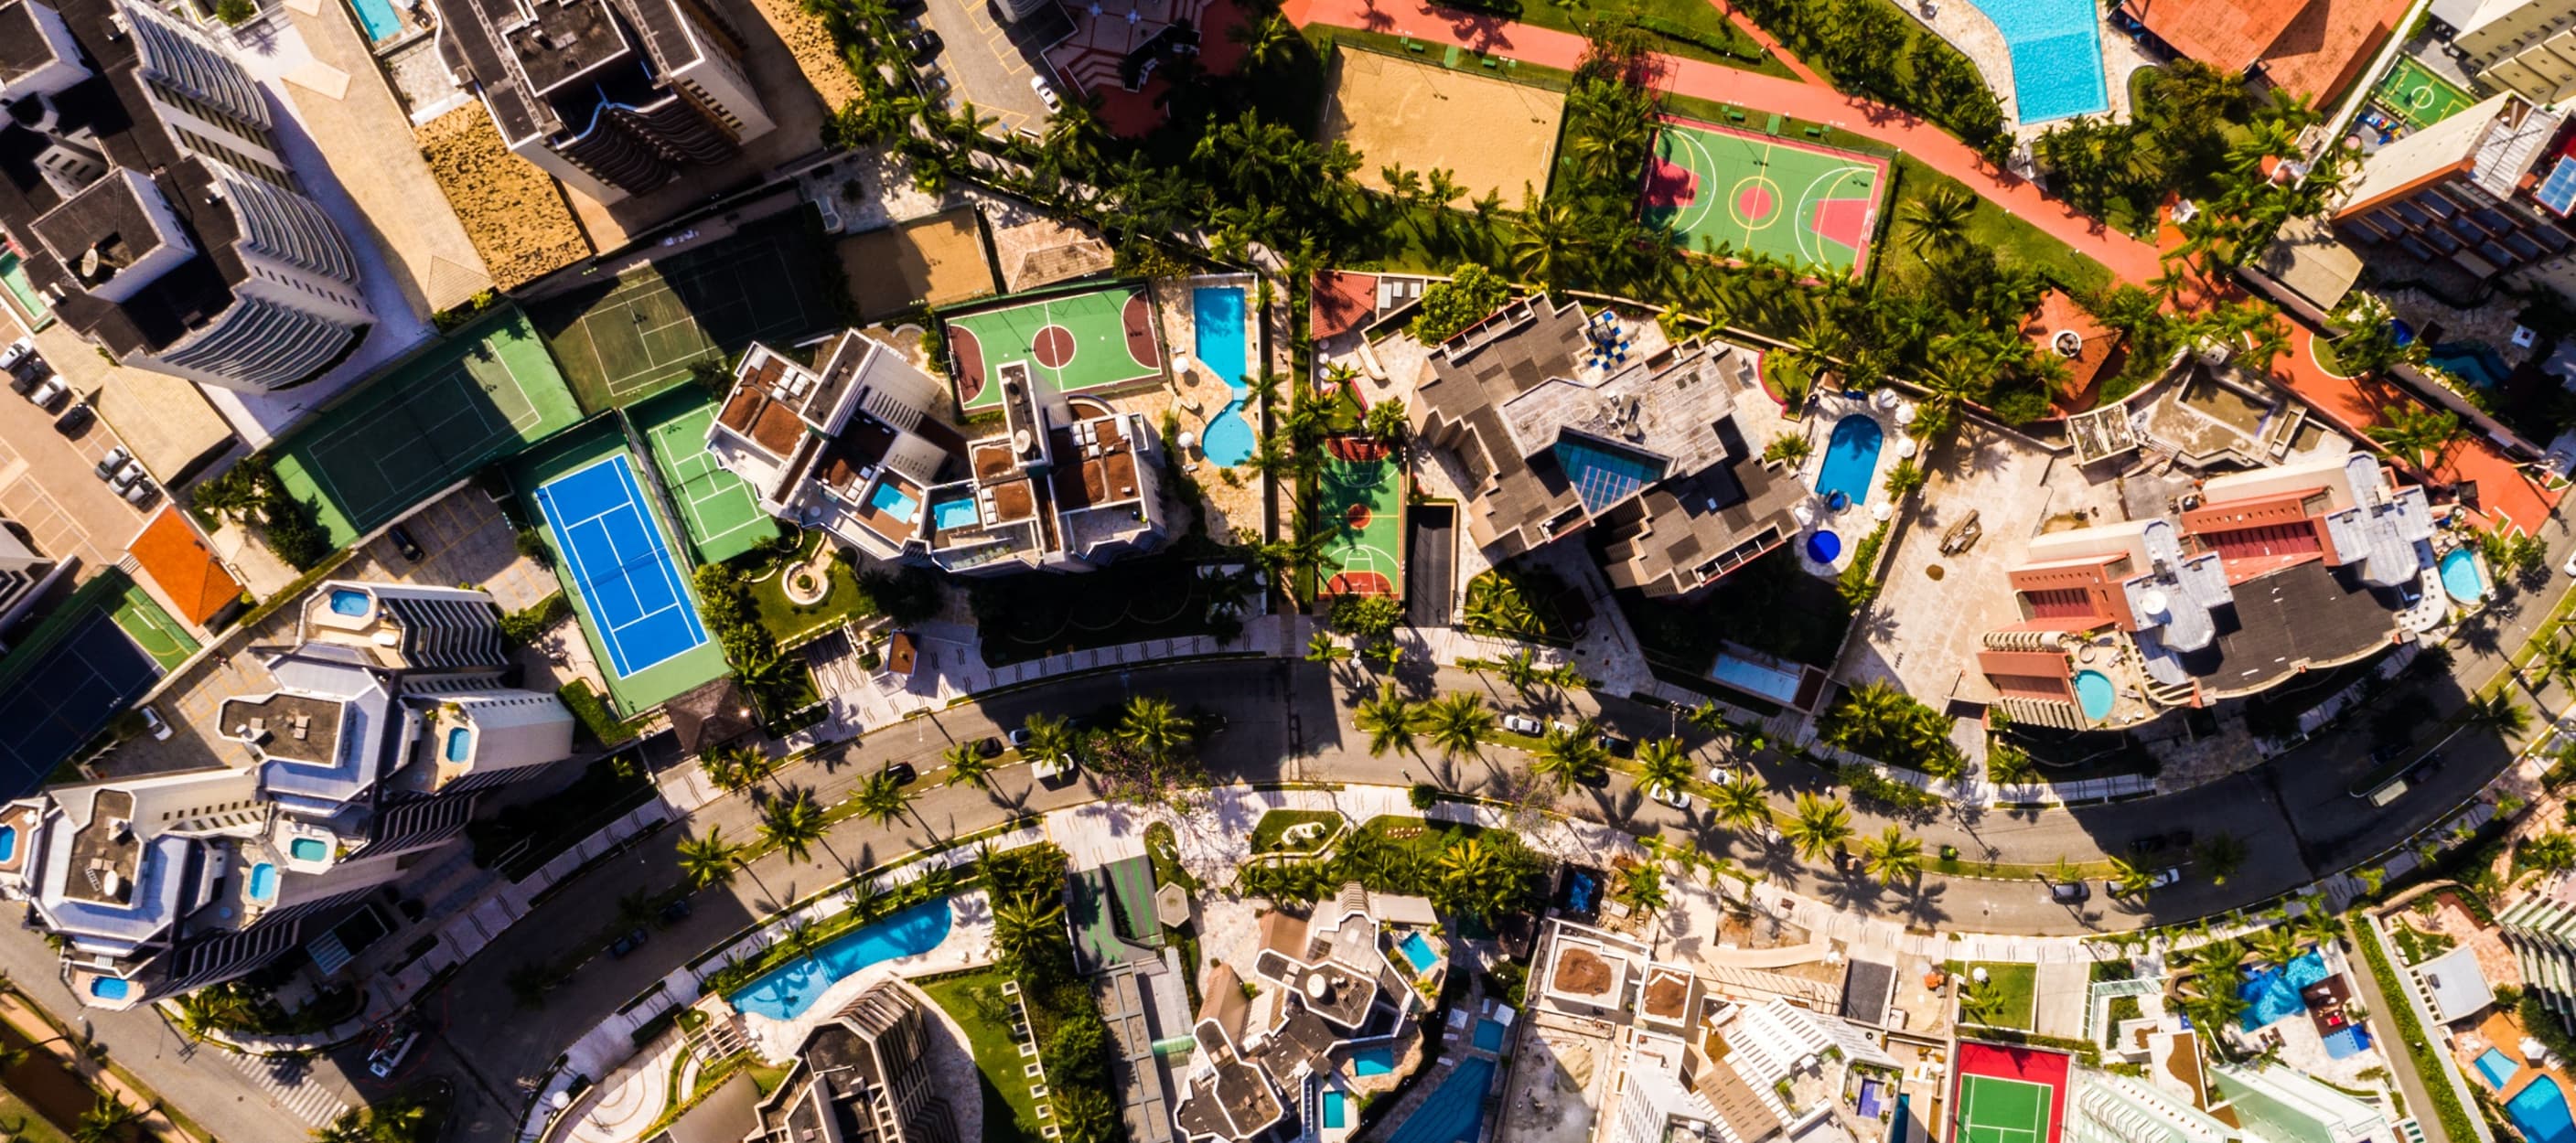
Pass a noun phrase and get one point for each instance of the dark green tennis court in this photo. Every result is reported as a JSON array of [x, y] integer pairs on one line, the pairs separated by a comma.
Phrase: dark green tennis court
[[1363, 497], [1745, 192], [2418, 96], [1098, 339], [636, 334], [718, 509]]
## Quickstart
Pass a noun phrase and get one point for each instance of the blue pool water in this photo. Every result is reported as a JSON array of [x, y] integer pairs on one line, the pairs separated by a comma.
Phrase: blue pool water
[[2540, 1110], [895, 502], [1755, 678], [351, 603], [110, 988], [783, 993], [1578, 892], [2093, 692], [950, 514], [2056, 56], [263, 883], [307, 849], [1418, 951], [379, 19], [2472, 361], [460, 742], [2460, 576], [2346, 1042], [1603, 477], [8, 842], [1333, 1109], [1372, 1062], [1489, 1035], [1872, 1097], [1823, 546], [1456, 1110], [2497, 1067], [1216, 314], [1851, 458], [2272, 995]]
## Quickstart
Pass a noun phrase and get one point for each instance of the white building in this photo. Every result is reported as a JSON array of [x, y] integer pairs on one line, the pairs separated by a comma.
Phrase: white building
[[153, 206], [2527, 47], [386, 722], [2106, 1108]]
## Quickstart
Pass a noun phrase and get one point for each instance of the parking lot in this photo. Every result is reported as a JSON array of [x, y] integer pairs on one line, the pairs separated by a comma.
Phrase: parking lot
[[49, 487], [989, 63]]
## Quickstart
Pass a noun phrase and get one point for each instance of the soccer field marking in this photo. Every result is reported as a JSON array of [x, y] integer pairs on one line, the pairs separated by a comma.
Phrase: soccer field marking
[[2028, 1099], [621, 571]]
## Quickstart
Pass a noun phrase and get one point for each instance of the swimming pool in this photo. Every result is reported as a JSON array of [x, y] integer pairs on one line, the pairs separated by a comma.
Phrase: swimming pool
[[378, 17], [1851, 457], [895, 502], [1489, 1035], [460, 743], [2056, 56], [1333, 1109], [263, 883], [785, 992], [1578, 891], [2346, 1042], [1418, 951], [1216, 319], [2540, 1110], [2093, 692], [2497, 1067], [1754, 678], [2472, 361], [1372, 1062], [1871, 1098], [307, 849], [1455, 1112], [111, 988], [950, 514], [350, 603], [2460, 576], [8, 842], [2272, 995]]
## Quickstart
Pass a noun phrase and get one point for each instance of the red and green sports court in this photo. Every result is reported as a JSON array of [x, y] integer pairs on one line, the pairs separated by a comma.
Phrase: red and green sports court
[[2008, 1095], [1363, 496], [1093, 340], [1743, 192]]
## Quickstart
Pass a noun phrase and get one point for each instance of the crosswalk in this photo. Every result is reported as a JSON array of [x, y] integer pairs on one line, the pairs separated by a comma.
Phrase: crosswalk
[[288, 1083]]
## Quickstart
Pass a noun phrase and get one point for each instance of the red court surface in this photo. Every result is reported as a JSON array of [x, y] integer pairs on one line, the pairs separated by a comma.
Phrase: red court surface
[[2030, 1065]]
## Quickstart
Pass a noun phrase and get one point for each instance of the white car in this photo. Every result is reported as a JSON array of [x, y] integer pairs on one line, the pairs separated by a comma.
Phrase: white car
[[2570, 566], [390, 1051], [1522, 724], [1049, 769], [1677, 799], [1046, 94], [1020, 738], [152, 722], [17, 352]]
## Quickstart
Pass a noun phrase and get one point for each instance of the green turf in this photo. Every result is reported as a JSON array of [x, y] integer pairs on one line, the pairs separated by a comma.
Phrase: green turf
[[722, 514], [152, 628], [2005, 1000], [657, 684], [636, 335], [1993, 1109], [483, 393], [2418, 96], [1378, 546], [974, 999], [1096, 320], [1753, 193]]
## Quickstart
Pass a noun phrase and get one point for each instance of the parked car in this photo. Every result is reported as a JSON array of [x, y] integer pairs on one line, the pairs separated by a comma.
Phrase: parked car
[[1617, 746], [403, 543], [23, 378], [1050, 769], [390, 1049], [16, 352], [2570, 566], [988, 747], [2151, 843], [1019, 737], [902, 773], [923, 44], [125, 479], [75, 419], [115, 459], [1523, 724], [1671, 796], [1046, 94], [152, 722], [675, 912], [2425, 768], [2069, 892], [142, 494], [50, 395], [2161, 878], [906, 8], [633, 940]]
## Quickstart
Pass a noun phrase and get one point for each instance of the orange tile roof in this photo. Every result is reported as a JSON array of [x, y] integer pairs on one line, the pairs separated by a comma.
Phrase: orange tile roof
[[2225, 34], [169, 551], [1343, 302], [2322, 51], [2058, 312]]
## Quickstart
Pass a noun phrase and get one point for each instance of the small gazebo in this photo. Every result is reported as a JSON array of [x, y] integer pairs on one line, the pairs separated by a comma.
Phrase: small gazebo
[[711, 716]]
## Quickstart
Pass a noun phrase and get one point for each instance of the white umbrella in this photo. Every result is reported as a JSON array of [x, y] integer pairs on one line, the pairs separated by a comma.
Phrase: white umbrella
[[1181, 362], [1906, 447], [1905, 414], [1881, 510], [1805, 515], [1884, 398]]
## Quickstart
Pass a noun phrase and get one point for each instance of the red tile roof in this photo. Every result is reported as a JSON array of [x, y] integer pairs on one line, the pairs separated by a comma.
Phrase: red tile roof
[[2095, 351], [2312, 47], [1344, 302], [169, 551], [2229, 35]]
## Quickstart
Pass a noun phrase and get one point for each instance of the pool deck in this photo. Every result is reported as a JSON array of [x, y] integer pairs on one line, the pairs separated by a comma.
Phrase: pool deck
[[969, 944], [2503, 1033]]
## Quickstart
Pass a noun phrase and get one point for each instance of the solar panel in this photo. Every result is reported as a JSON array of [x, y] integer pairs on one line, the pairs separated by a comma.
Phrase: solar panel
[[2558, 191]]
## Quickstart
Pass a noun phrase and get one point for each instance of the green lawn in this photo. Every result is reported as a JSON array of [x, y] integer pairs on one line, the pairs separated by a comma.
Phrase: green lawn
[[19, 1123], [790, 624], [1266, 834], [1691, 29], [975, 1001], [2005, 1000], [2014, 240]]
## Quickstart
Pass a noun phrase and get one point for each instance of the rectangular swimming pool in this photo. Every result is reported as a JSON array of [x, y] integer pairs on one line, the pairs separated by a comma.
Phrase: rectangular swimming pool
[[2056, 56], [1418, 951], [1455, 1112], [378, 18], [1755, 679], [2497, 1067], [1372, 1062]]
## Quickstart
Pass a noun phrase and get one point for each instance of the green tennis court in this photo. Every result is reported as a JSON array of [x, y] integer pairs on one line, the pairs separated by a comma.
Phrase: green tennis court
[[151, 628], [1743, 192], [1363, 495], [480, 394], [718, 509], [1997, 1110], [637, 334], [2420, 97], [1098, 339]]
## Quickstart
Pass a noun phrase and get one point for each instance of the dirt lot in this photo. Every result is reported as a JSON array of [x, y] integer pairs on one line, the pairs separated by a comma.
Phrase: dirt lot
[[811, 43], [938, 260], [1490, 134], [511, 210]]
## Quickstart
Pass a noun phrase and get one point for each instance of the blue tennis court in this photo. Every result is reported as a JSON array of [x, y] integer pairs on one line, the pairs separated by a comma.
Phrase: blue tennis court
[[621, 566], [66, 696]]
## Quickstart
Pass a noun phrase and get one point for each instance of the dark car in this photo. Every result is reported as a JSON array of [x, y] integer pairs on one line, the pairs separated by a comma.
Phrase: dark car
[[675, 912], [403, 543], [923, 44], [2069, 892], [988, 747], [75, 419], [23, 377], [1619, 747], [902, 773], [2425, 768], [905, 9], [633, 940], [2152, 843]]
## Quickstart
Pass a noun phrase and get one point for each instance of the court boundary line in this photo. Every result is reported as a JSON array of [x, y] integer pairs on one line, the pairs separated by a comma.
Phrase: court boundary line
[[70, 643], [624, 297], [563, 533], [1046, 305], [1880, 167], [329, 437], [702, 535]]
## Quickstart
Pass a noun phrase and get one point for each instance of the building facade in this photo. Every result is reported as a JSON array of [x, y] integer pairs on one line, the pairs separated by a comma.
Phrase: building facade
[[614, 97], [864, 1076], [140, 176], [2527, 47], [2462, 193], [2541, 931]]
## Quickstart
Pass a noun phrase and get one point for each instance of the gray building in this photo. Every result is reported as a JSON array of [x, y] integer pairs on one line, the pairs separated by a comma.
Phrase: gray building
[[864, 1076]]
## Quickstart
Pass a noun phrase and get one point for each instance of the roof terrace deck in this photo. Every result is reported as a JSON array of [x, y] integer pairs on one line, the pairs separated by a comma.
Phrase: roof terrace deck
[[299, 728]]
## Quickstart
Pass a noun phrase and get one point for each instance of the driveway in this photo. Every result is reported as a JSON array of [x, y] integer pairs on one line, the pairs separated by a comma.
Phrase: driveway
[[989, 63]]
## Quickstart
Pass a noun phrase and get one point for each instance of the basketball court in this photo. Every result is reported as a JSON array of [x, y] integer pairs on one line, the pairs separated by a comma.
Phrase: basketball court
[[637, 335], [1805, 204], [2418, 96], [1099, 339], [2008, 1095], [425, 424], [1363, 494], [717, 509]]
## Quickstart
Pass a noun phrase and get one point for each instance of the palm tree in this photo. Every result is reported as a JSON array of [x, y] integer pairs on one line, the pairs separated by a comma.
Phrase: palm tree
[[793, 824], [1570, 757], [1389, 719], [1151, 724], [2222, 853], [2556, 661], [1741, 805], [2417, 434], [1663, 766], [708, 860], [734, 766], [1520, 670], [2497, 712], [882, 799], [1321, 647], [2129, 877], [966, 764], [1023, 929], [106, 1121], [1939, 221], [1050, 738], [1820, 826], [2277, 944], [1458, 724], [1892, 857], [1266, 41]]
